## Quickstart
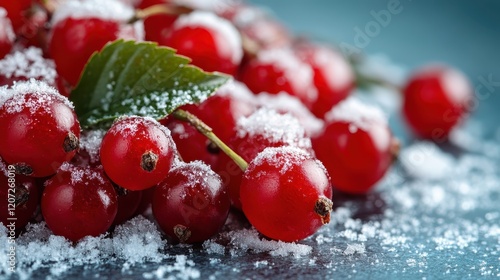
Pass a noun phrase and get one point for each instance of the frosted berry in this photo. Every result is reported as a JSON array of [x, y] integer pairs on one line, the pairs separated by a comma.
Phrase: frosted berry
[[191, 205], [280, 70], [333, 75], [286, 194], [436, 99], [41, 130], [137, 152], [264, 128], [78, 202], [16, 11], [356, 147], [211, 42]]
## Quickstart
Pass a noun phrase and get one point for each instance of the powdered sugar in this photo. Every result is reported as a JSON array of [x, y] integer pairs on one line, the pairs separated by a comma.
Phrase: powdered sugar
[[216, 24], [278, 128], [285, 103], [28, 63], [353, 111], [237, 90], [108, 10], [283, 158], [129, 125], [199, 172], [90, 141]]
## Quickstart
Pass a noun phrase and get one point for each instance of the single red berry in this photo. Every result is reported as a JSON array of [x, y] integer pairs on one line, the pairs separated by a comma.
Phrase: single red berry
[[78, 202], [286, 194], [436, 99], [264, 128], [211, 42], [356, 147], [41, 130], [333, 76], [128, 202], [157, 26], [7, 36], [191, 205], [81, 28], [20, 197], [137, 152], [16, 11], [280, 70]]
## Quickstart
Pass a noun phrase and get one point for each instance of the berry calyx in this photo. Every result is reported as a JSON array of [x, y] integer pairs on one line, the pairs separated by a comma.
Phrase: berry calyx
[[211, 42], [191, 205], [78, 202], [286, 194], [137, 152], [356, 146], [436, 99], [41, 128]]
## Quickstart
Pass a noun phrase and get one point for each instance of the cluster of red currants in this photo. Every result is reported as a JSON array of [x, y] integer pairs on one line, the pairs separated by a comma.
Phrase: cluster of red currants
[[287, 112]]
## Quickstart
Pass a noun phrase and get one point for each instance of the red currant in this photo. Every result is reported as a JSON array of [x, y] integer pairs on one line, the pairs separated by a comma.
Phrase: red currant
[[7, 35], [286, 194], [357, 146], [137, 152], [191, 205], [40, 126], [18, 191], [211, 42], [156, 26], [82, 27], [78, 202], [436, 99], [333, 76], [265, 128], [278, 70]]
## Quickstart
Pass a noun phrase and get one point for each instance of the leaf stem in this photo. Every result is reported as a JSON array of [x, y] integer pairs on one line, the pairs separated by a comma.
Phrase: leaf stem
[[204, 129]]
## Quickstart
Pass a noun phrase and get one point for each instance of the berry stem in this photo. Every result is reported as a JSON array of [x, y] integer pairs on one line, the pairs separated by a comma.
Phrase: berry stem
[[207, 131], [159, 9]]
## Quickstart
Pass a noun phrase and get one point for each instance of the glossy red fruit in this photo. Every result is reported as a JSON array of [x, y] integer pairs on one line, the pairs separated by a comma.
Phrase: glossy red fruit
[[356, 147], [333, 76], [286, 194], [137, 152], [20, 197], [157, 26], [41, 130], [78, 39], [211, 42], [191, 205], [265, 128], [7, 36], [16, 11], [436, 99], [280, 70], [128, 202], [79, 202]]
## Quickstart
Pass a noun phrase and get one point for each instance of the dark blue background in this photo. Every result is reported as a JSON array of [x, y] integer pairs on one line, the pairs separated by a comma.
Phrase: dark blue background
[[464, 34]]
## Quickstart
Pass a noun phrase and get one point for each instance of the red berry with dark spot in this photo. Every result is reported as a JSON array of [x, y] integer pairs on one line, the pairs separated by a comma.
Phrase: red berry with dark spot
[[137, 152], [286, 194], [79, 202], [436, 99], [41, 130], [191, 205]]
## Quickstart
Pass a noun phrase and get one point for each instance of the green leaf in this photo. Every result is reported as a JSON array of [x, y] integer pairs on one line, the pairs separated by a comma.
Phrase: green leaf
[[130, 78]]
